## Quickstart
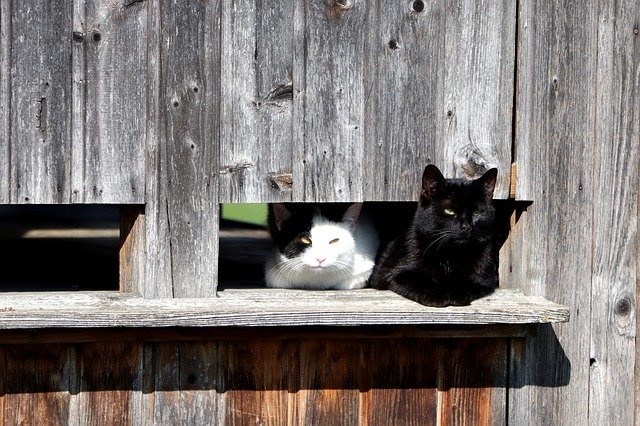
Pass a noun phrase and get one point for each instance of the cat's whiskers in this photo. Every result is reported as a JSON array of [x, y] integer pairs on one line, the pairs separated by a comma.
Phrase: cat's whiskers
[[440, 237]]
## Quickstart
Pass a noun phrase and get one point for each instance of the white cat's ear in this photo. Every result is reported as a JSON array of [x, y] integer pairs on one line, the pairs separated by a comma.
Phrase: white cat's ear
[[350, 217], [280, 213], [488, 182], [432, 181]]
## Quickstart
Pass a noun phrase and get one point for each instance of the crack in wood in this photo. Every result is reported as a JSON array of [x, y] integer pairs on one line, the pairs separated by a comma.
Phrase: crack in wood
[[225, 170]]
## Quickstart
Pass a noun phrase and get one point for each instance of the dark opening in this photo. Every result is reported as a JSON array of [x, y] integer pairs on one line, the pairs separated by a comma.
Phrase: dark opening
[[59, 247], [245, 243]]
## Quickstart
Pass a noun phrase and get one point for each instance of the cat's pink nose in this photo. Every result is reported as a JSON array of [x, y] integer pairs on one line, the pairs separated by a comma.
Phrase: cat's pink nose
[[320, 260]]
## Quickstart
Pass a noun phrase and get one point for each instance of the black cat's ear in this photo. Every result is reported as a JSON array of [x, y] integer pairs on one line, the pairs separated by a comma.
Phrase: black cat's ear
[[350, 217], [280, 213], [433, 182], [488, 182]]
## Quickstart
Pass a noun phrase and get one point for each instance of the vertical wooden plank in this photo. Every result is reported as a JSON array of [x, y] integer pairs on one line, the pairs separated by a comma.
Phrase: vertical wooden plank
[[40, 117], [334, 100], [161, 383], [158, 281], [110, 130], [256, 143], [615, 214], [132, 254], [37, 384], [439, 89], [79, 98], [400, 382], [5, 99], [552, 242], [183, 205], [256, 378], [330, 376], [200, 366], [110, 379], [472, 381]]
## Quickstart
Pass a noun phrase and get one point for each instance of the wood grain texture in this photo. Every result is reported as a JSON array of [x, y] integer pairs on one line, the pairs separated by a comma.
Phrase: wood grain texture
[[108, 161], [131, 251], [200, 371], [269, 307], [247, 381], [400, 380], [553, 243], [256, 141], [472, 381], [257, 379], [40, 95], [615, 212], [39, 383], [183, 209], [439, 89], [330, 377], [161, 383], [334, 100], [110, 379], [5, 100]]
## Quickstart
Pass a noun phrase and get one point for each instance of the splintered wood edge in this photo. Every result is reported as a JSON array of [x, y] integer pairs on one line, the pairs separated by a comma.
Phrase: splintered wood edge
[[266, 308]]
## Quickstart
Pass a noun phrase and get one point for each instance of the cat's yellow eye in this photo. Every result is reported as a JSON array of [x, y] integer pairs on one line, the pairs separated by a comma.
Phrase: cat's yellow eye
[[449, 212], [476, 214], [335, 240], [305, 240]]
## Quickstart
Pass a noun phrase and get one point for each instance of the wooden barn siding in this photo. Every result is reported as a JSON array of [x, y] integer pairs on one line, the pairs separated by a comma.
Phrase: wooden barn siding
[[74, 102], [576, 150], [577, 141], [308, 381]]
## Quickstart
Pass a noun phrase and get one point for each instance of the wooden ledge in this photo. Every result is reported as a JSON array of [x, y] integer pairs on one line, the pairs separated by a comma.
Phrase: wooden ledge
[[265, 308]]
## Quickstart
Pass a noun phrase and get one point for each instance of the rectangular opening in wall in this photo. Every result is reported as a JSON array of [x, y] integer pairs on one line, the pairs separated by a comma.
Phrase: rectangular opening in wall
[[59, 247], [244, 245]]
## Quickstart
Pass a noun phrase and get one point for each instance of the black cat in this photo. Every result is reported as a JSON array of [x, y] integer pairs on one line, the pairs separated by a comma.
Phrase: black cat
[[448, 256]]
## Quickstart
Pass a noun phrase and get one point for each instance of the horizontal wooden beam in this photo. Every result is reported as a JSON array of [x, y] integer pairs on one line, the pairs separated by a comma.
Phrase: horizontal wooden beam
[[265, 308]]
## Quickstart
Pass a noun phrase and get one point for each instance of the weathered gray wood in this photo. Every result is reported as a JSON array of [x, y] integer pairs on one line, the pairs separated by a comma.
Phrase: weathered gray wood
[[158, 261], [615, 214], [5, 99], [333, 107], [438, 89], [256, 142], [552, 243], [108, 150], [132, 257], [267, 307], [183, 209], [40, 83]]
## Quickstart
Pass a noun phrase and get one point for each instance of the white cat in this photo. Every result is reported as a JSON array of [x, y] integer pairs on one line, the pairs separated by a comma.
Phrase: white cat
[[320, 247]]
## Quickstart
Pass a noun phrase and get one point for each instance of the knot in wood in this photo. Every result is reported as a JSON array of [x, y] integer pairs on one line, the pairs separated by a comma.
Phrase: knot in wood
[[623, 307]]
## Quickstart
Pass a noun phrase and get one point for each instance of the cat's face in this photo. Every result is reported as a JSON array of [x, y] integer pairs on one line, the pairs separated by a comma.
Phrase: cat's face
[[310, 242], [326, 245], [456, 212]]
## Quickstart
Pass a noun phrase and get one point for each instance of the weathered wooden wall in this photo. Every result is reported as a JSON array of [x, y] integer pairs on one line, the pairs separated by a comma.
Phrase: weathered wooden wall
[[182, 105], [577, 141], [255, 381]]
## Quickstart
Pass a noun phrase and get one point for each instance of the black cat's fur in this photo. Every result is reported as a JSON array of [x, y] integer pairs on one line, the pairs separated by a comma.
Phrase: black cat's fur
[[448, 256]]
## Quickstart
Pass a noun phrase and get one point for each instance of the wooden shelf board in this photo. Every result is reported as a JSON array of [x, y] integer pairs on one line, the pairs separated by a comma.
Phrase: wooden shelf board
[[265, 308]]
